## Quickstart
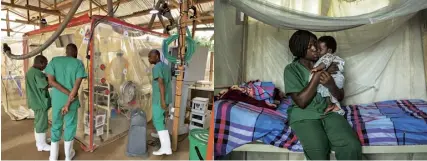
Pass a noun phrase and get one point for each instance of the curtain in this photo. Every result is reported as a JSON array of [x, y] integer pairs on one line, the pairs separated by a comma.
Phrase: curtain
[[384, 60]]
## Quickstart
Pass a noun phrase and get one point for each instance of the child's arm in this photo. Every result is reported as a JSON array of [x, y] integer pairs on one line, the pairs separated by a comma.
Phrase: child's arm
[[320, 67], [324, 62]]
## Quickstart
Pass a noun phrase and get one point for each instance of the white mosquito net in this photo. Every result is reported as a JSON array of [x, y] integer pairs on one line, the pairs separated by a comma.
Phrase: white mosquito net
[[381, 42]]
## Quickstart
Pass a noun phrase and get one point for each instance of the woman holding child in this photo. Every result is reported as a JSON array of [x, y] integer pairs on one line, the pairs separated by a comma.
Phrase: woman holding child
[[316, 125]]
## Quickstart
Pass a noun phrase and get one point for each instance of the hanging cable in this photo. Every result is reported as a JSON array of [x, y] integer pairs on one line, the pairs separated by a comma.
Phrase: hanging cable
[[191, 47], [49, 41]]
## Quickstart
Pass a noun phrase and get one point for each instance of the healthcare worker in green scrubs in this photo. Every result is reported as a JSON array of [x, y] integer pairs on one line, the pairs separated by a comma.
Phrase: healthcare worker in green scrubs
[[38, 99], [319, 130], [161, 98], [65, 74]]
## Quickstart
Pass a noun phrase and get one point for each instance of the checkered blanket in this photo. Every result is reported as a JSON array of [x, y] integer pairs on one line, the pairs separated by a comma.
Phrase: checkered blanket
[[259, 90], [396, 122]]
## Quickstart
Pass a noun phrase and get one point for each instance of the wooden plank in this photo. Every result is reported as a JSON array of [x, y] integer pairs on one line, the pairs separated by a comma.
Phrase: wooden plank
[[17, 13], [147, 11], [40, 14], [28, 12], [181, 46], [99, 6], [211, 67], [32, 8], [7, 23], [21, 21], [10, 30], [90, 7]]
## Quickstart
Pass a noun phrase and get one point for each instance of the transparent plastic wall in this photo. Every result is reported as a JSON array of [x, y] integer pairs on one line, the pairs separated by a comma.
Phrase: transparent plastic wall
[[13, 98], [121, 81]]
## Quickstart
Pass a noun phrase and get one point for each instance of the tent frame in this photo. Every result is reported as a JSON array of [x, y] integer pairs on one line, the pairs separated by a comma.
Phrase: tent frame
[[85, 19]]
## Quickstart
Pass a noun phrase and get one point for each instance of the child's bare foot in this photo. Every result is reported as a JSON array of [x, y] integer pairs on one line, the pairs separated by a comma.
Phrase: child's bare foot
[[332, 107]]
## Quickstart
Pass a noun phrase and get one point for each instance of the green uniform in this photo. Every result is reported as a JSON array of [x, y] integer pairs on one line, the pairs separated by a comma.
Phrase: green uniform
[[65, 70], [318, 133], [38, 98], [160, 71]]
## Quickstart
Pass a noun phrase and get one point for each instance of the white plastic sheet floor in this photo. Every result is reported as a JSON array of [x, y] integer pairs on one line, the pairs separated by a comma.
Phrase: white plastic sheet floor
[[17, 139]]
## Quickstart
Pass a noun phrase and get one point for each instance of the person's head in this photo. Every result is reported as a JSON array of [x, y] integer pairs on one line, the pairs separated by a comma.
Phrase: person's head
[[40, 62], [154, 56], [327, 44], [303, 45], [71, 50]]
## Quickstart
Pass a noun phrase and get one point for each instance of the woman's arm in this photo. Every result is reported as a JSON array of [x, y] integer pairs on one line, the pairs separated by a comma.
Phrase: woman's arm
[[302, 99], [327, 80]]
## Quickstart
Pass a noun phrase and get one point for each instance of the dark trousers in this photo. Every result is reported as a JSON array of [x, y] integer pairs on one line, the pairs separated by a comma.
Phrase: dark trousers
[[319, 137]]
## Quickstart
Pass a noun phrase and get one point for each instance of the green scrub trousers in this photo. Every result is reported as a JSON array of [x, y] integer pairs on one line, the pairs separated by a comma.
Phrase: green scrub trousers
[[41, 120], [66, 70], [319, 136], [160, 71]]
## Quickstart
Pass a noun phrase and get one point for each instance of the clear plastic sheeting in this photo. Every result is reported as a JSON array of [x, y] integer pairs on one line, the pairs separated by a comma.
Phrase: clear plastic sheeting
[[13, 98], [384, 60], [302, 14], [121, 78], [119, 74]]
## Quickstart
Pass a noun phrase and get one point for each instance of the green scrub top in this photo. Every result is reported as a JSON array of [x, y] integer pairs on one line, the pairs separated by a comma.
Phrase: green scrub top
[[296, 78], [161, 71], [65, 70], [36, 90]]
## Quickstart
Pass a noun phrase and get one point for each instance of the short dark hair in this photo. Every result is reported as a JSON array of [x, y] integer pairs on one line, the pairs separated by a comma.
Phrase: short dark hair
[[71, 47], [155, 51], [40, 59], [329, 42], [298, 43]]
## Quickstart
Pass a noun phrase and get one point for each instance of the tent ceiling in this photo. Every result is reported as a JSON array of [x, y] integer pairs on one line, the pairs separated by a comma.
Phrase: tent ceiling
[[132, 11]]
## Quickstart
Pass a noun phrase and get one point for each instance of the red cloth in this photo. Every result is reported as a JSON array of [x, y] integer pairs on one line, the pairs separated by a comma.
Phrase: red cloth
[[237, 95]]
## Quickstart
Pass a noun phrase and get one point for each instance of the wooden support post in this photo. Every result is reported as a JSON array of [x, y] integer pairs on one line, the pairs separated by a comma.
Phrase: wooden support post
[[28, 13], [32, 8], [211, 67], [40, 6], [90, 8], [181, 46], [7, 23], [40, 15]]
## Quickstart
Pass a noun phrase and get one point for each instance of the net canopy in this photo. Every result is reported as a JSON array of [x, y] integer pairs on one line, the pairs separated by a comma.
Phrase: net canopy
[[381, 42]]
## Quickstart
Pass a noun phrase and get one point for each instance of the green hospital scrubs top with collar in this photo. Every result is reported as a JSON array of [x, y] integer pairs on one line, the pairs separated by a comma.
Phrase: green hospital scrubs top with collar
[[66, 71], [296, 78], [161, 71], [38, 97]]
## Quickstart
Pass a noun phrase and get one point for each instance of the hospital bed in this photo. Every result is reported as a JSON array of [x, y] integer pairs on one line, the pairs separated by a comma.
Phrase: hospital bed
[[394, 129]]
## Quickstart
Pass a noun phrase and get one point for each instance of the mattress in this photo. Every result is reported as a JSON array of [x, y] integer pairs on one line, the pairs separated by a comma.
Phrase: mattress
[[387, 123]]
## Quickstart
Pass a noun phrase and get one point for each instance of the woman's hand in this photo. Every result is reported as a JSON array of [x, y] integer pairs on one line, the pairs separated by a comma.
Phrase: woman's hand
[[333, 68], [326, 80]]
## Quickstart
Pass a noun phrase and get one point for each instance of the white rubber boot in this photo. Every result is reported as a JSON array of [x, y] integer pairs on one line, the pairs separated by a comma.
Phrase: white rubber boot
[[54, 148], [69, 150], [165, 143], [154, 135], [41, 142]]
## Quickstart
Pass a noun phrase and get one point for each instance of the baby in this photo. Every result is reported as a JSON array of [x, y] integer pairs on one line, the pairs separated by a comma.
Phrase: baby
[[327, 47]]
